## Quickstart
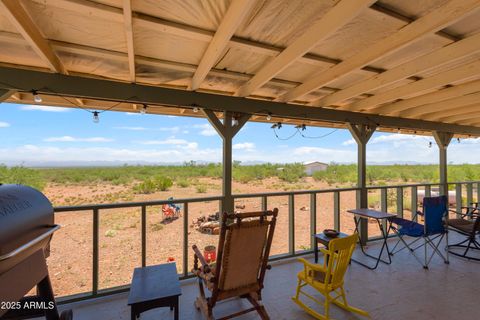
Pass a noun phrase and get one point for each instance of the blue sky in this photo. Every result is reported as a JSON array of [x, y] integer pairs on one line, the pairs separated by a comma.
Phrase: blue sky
[[36, 135]]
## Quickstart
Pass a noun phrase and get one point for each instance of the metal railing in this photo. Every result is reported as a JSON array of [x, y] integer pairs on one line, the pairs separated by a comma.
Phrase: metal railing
[[398, 207]]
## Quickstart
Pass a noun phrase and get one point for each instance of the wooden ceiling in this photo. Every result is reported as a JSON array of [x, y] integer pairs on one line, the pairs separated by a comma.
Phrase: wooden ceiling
[[403, 58]]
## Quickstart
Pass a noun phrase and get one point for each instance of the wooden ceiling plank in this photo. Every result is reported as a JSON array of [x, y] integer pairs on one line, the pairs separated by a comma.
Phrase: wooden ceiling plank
[[444, 94], [435, 109], [440, 79], [447, 54], [342, 13], [464, 114], [127, 17], [235, 15], [436, 20], [17, 15]]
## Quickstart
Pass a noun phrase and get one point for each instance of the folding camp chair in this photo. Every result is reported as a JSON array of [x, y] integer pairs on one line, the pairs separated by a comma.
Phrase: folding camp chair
[[434, 229]]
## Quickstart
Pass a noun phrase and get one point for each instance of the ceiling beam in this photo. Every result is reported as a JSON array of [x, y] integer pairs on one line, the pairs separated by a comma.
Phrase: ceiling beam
[[99, 89], [440, 95], [442, 56], [470, 113], [342, 13], [236, 13], [391, 12], [464, 72], [18, 16], [436, 20], [434, 111], [114, 14], [5, 94], [127, 20]]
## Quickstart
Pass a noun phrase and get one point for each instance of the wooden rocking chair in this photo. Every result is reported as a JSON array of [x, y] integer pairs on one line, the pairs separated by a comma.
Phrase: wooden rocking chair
[[243, 251]]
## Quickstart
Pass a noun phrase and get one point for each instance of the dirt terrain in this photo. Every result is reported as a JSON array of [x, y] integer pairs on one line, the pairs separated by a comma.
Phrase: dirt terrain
[[70, 262]]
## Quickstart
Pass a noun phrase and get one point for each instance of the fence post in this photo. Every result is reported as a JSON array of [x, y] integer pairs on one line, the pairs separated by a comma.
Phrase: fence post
[[336, 210], [458, 199], [95, 252], [384, 206], [291, 224], [400, 202], [469, 194], [414, 202], [185, 239], [264, 203], [144, 236], [428, 191], [313, 219]]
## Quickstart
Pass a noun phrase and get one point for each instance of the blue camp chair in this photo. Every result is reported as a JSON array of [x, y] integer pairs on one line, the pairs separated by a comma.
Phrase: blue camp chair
[[435, 213]]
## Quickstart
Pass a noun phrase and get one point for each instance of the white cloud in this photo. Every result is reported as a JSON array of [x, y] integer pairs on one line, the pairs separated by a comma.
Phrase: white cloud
[[132, 114], [73, 139], [348, 142], [246, 146], [34, 107], [400, 138], [34, 154], [4, 124], [206, 129]]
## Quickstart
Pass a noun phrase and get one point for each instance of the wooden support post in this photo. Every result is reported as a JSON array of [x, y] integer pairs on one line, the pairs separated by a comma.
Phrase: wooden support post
[[362, 133], [313, 219], [227, 130], [443, 140]]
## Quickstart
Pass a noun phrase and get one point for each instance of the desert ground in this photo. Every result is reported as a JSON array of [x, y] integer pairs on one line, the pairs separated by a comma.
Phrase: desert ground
[[70, 262]]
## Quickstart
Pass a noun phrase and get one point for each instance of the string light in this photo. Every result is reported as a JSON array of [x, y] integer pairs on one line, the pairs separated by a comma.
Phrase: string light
[[430, 144], [195, 109], [269, 116], [458, 139], [302, 127], [234, 122], [96, 116], [144, 109], [277, 125], [36, 97]]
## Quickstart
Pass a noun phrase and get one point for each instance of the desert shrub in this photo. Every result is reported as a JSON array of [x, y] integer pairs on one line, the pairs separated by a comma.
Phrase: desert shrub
[[147, 186], [22, 175], [162, 183], [292, 172], [201, 188], [183, 183]]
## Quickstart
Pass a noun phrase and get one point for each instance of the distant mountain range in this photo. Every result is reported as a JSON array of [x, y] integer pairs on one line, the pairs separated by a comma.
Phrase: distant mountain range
[[63, 164]]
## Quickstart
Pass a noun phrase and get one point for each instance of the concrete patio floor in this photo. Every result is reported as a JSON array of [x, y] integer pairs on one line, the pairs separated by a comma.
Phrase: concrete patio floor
[[402, 290]]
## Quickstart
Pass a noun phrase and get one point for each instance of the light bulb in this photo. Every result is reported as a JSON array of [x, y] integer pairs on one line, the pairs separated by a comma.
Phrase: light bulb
[[430, 144], [144, 109], [36, 97], [234, 122], [96, 117], [195, 109], [269, 116]]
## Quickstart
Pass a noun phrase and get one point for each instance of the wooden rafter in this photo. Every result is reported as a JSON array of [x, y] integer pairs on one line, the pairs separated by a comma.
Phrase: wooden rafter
[[416, 88], [127, 17], [5, 94], [19, 17], [436, 20], [436, 96], [338, 16], [442, 56], [462, 114], [434, 111], [235, 15]]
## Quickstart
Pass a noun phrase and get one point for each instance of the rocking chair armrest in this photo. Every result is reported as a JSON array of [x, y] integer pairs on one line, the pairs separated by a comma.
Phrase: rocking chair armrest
[[199, 255], [310, 265]]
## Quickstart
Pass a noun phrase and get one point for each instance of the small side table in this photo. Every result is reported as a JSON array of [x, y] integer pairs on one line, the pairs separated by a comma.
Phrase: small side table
[[154, 287], [323, 239]]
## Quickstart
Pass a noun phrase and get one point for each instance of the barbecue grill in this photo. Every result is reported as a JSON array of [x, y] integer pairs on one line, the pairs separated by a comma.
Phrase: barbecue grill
[[26, 228]]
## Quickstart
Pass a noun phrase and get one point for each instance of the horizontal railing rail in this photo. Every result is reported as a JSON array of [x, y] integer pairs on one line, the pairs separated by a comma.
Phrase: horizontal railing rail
[[385, 203]]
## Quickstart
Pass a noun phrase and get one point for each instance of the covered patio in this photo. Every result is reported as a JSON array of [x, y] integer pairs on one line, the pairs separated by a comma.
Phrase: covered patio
[[408, 67], [402, 290]]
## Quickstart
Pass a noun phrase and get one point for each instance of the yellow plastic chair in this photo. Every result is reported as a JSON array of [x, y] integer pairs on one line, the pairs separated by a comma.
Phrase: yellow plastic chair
[[328, 279]]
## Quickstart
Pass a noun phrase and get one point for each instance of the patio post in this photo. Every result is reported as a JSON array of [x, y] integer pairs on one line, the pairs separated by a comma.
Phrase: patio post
[[231, 125], [443, 140], [362, 133]]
